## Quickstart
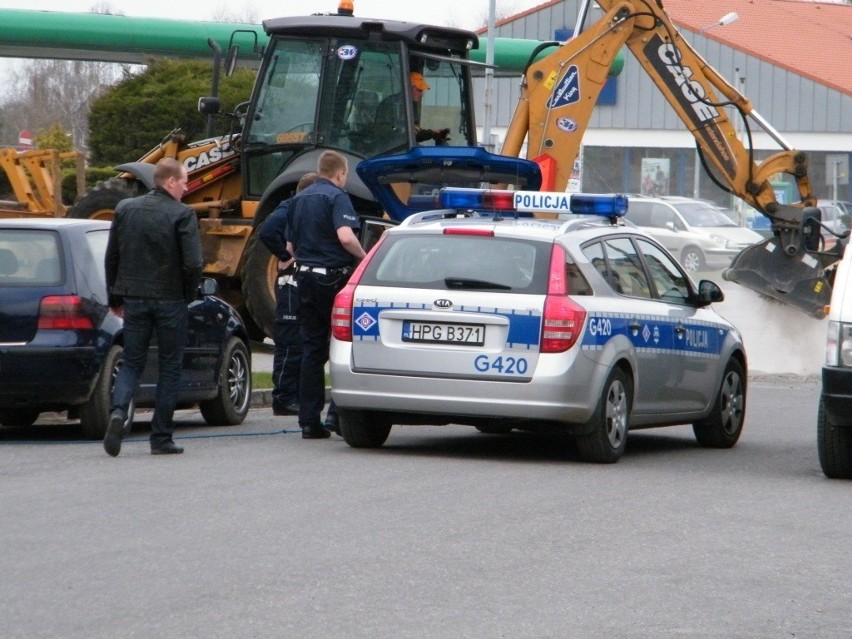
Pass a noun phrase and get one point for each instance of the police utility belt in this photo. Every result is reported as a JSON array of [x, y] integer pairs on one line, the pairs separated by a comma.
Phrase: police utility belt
[[323, 270]]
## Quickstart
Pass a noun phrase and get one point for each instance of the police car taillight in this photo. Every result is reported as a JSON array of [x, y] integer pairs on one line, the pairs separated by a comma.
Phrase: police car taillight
[[563, 319], [341, 311], [528, 202]]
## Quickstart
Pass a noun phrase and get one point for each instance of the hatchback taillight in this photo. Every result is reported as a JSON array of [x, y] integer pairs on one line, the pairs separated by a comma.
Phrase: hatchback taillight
[[563, 319], [63, 313], [341, 312]]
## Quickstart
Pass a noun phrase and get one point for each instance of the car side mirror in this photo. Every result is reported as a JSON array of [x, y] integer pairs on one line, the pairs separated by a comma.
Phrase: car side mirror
[[671, 226], [709, 293], [208, 286]]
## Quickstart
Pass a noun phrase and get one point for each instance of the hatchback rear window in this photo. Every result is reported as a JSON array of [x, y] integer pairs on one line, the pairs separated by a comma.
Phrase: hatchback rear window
[[30, 257], [460, 261]]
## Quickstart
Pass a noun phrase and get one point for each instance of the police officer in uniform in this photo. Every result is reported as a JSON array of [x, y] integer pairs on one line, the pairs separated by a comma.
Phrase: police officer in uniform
[[287, 360], [321, 235]]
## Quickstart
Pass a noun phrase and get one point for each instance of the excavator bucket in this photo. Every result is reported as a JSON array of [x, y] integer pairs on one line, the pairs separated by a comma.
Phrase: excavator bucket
[[798, 281]]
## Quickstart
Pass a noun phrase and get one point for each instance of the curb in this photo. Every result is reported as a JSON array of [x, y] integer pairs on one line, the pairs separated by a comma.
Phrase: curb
[[262, 397]]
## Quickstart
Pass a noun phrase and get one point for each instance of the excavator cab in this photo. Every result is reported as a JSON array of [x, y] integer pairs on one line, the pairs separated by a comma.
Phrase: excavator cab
[[342, 82]]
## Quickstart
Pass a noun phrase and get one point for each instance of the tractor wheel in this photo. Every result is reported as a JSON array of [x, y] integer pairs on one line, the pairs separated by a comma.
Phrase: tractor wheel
[[100, 202], [259, 273]]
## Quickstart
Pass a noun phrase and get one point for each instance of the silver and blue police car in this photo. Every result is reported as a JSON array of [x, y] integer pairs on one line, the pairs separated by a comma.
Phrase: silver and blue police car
[[478, 313]]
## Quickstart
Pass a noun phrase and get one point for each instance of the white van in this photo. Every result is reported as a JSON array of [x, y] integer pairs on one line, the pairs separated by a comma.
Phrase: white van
[[834, 417]]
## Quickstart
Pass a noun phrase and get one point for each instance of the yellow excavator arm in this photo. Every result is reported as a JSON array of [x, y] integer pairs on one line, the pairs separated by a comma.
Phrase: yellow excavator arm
[[559, 93]]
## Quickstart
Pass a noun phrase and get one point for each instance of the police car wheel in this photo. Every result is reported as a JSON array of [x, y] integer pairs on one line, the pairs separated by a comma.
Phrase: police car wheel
[[363, 429], [834, 444], [607, 440], [722, 427]]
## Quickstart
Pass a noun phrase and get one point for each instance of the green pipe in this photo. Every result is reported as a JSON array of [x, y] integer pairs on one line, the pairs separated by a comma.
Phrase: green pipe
[[513, 54], [109, 38], [94, 36]]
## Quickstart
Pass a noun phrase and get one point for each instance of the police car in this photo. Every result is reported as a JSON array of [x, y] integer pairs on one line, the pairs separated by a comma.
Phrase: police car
[[479, 313]]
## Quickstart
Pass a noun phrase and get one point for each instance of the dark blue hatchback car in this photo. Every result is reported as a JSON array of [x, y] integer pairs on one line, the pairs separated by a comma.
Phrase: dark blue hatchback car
[[60, 346]]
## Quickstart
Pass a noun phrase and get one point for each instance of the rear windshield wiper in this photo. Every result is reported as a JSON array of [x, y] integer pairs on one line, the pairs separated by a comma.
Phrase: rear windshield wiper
[[463, 282]]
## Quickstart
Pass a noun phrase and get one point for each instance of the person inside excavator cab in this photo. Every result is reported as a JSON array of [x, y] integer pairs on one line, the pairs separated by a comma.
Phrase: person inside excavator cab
[[391, 111]]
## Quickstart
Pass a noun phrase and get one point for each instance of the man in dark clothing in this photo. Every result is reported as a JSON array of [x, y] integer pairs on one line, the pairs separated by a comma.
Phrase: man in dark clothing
[[153, 267], [287, 359], [321, 226]]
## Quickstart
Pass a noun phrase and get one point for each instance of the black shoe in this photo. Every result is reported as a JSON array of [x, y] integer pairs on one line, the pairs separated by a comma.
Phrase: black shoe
[[289, 409], [317, 432], [115, 432], [332, 424], [166, 448]]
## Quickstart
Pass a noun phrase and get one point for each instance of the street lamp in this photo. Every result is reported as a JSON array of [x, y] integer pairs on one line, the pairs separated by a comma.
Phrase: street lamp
[[489, 78], [726, 19]]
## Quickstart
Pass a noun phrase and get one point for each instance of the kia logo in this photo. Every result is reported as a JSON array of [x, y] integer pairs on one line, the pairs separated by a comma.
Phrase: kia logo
[[443, 304]]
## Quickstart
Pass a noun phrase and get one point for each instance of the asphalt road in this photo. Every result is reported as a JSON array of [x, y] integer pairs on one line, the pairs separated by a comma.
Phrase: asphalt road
[[443, 533]]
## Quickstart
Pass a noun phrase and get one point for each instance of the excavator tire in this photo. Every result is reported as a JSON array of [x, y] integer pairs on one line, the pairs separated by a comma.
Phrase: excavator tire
[[100, 202], [258, 274]]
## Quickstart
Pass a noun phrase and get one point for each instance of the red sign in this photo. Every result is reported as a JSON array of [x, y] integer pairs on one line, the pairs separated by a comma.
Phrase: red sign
[[25, 139]]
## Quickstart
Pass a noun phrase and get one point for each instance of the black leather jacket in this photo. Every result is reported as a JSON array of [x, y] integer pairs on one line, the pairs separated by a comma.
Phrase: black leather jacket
[[154, 249]]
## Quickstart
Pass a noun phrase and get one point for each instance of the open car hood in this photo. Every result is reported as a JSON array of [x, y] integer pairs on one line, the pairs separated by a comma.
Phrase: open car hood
[[408, 183]]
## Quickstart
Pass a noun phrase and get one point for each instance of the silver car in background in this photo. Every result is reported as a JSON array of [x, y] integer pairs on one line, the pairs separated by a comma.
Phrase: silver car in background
[[700, 235]]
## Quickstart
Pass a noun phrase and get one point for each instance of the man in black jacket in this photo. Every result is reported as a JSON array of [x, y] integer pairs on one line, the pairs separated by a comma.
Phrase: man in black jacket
[[153, 267]]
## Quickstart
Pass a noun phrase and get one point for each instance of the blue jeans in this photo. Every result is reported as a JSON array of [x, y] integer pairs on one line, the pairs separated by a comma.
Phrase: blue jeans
[[288, 345], [316, 297], [143, 318]]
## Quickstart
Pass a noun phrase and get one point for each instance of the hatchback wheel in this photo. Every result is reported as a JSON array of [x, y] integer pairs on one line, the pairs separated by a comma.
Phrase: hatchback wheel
[[232, 403], [607, 440], [722, 427], [363, 429], [94, 414], [834, 444]]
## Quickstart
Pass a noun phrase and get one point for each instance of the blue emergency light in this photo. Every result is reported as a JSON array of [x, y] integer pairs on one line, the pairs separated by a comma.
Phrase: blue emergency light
[[513, 202]]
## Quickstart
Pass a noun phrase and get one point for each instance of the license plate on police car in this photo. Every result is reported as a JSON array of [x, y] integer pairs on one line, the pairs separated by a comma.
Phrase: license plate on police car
[[443, 333]]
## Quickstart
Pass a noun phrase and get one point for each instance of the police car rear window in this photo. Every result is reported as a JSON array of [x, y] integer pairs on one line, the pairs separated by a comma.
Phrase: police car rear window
[[461, 261]]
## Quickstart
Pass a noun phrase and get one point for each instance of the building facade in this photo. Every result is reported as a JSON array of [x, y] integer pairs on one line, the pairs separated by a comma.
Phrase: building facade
[[635, 135]]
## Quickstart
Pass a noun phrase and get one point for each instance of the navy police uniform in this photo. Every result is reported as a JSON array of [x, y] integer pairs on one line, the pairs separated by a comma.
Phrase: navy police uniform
[[324, 266], [287, 358]]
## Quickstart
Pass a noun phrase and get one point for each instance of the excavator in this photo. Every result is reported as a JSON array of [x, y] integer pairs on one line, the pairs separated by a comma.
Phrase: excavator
[[558, 94], [323, 77]]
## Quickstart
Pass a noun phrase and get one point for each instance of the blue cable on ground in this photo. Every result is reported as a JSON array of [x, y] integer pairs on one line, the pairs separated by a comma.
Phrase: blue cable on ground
[[131, 440]]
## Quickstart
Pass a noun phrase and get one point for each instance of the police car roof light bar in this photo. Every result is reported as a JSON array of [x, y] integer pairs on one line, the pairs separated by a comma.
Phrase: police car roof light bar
[[485, 200], [482, 200]]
